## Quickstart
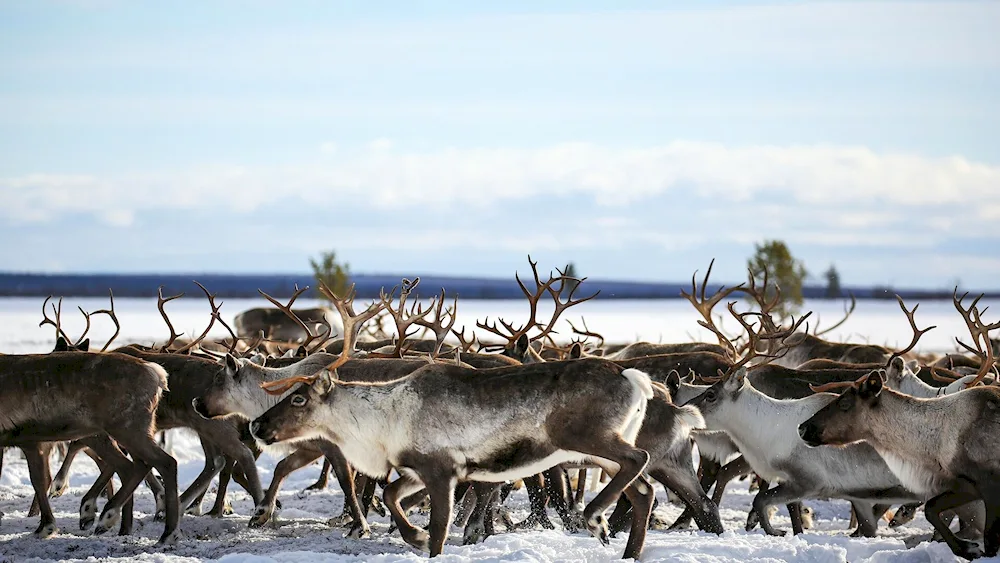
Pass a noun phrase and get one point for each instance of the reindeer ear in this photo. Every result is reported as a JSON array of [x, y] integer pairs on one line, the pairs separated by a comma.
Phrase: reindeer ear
[[61, 345], [871, 386], [258, 359], [84, 346], [673, 379], [232, 366], [521, 346], [736, 380], [324, 382], [576, 351], [288, 353], [301, 352]]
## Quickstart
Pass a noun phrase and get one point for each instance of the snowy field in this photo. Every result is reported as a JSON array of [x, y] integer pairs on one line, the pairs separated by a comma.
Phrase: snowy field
[[302, 534]]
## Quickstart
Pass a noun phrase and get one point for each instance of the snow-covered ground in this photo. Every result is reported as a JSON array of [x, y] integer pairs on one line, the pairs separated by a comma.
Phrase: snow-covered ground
[[302, 533]]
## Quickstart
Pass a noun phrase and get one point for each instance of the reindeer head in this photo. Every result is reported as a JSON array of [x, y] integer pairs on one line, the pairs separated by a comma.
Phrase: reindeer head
[[716, 402], [844, 420], [298, 416], [235, 389]]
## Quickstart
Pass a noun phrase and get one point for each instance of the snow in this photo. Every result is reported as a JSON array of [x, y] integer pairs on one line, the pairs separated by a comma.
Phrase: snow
[[302, 533]]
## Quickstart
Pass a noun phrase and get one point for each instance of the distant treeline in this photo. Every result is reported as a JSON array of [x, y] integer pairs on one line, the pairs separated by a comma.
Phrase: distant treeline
[[368, 286]]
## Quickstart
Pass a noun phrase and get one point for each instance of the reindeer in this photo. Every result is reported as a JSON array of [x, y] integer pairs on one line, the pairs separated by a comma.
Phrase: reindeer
[[222, 439], [73, 395], [443, 424], [276, 325], [944, 448]]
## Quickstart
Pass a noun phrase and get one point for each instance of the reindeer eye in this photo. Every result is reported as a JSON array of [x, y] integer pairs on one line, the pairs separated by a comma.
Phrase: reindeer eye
[[845, 404], [711, 395], [298, 401]]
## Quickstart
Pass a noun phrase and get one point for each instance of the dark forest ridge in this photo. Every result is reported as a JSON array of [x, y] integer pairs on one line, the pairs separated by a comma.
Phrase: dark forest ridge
[[368, 285]]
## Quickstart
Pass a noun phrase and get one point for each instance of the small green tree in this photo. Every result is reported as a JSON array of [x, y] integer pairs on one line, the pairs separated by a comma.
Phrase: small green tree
[[327, 270], [782, 270], [832, 276]]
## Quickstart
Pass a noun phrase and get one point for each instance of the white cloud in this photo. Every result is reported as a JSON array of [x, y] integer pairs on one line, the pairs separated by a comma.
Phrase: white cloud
[[831, 178]]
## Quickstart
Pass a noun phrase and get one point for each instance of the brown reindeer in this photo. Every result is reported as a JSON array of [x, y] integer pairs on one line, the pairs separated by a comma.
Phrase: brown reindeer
[[73, 395], [443, 424]]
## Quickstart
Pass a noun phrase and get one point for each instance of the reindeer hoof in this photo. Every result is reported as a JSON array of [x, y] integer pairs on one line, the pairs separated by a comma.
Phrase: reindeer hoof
[[359, 531], [420, 539], [752, 520], [262, 515], [574, 522], [474, 533], [194, 510], [58, 488], [378, 507], [108, 520], [968, 549], [340, 521], [598, 526], [317, 486], [170, 538], [88, 514], [46, 531]]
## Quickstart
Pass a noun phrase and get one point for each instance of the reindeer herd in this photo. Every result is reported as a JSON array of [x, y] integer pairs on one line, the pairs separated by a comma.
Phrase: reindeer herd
[[458, 422]]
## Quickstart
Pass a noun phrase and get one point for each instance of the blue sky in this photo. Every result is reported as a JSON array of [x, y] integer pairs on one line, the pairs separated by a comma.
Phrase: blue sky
[[637, 139]]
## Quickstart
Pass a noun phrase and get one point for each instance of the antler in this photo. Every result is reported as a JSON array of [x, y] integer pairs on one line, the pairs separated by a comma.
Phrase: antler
[[114, 318], [466, 345], [917, 333], [352, 326], [978, 331], [839, 384], [160, 302], [705, 305], [586, 332], [438, 325], [287, 310], [352, 321], [57, 322], [402, 318], [754, 338], [540, 289], [847, 314], [215, 316]]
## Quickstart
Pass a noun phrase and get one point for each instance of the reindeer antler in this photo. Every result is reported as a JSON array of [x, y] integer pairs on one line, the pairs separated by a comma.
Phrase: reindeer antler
[[465, 345], [58, 320], [352, 326], [917, 333], [847, 314], [514, 334], [979, 332], [160, 302], [215, 316], [705, 305], [311, 336], [586, 332], [114, 318], [438, 326]]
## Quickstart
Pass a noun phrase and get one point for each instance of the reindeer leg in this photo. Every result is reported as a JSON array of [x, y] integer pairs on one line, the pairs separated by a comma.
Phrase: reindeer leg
[[537, 500], [485, 495], [297, 460], [465, 499], [557, 486], [684, 483], [948, 500], [784, 493], [795, 515], [324, 478], [631, 461], [38, 470], [406, 485], [990, 493], [191, 498], [345, 477], [101, 447], [221, 507], [60, 484], [729, 471], [640, 495], [145, 453]]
